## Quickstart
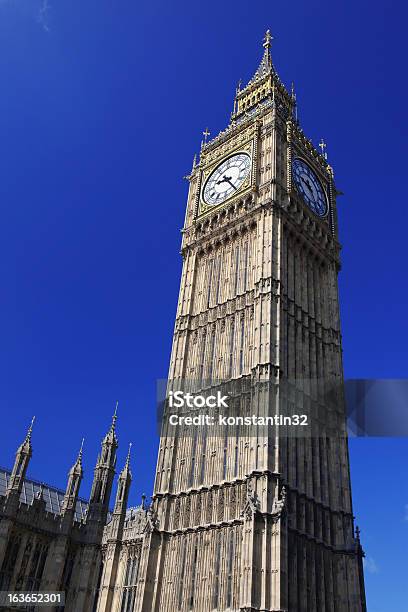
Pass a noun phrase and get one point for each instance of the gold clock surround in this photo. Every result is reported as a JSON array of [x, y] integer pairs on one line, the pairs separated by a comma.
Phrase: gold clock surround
[[247, 185]]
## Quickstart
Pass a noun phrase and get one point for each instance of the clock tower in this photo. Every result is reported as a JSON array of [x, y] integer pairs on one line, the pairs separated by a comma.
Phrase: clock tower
[[248, 518]]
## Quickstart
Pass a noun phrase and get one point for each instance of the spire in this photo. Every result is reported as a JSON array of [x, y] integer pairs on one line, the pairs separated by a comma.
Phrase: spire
[[128, 457], [104, 474], [78, 462], [124, 480], [266, 65], [194, 162], [114, 417], [75, 475], [294, 102], [125, 473], [265, 84], [111, 435], [80, 450], [26, 444], [30, 429]]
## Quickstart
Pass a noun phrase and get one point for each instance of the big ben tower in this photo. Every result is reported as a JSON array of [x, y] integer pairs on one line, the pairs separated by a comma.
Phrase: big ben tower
[[255, 520]]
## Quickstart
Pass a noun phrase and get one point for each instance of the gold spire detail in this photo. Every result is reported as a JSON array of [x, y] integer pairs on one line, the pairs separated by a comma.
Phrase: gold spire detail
[[323, 147], [267, 43]]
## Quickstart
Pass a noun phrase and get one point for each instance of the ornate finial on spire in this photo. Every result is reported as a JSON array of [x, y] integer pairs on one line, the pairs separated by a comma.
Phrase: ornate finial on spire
[[115, 415], [206, 133], [81, 450], [323, 147], [128, 456], [238, 88], [268, 40], [294, 103], [30, 429]]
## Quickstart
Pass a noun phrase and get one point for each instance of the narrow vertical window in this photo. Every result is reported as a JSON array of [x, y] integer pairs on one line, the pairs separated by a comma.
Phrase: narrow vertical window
[[203, 339], [236, 271], [193, 576], [230, 569], [245, 267], [236, 457], [241, 351], [211, 363], [210, 277], [181, 576], [217, 572], [231, 349], [203, 454], [193, 457], [217, 295], [224, 468]]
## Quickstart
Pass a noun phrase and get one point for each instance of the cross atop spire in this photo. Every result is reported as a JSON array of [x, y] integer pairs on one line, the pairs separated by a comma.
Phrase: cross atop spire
[[323, 147], [266, 66], [268, 40], [206, 134]]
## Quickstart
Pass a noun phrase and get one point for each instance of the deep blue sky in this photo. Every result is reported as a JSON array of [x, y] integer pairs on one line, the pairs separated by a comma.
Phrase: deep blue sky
[[102, 106]]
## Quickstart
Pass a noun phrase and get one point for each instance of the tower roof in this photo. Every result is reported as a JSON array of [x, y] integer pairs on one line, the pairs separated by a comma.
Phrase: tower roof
[[77, 467], [265, 84], [25, 446], [266, 66], [110, 437], [126, 473]]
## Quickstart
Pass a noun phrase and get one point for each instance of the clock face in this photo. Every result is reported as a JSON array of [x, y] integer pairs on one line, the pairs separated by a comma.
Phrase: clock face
[[226, 179], [309, 187]]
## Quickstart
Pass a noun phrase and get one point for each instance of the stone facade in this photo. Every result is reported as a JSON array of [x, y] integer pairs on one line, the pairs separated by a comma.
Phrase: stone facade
[[51, 540], [258, 521], [254, 521]]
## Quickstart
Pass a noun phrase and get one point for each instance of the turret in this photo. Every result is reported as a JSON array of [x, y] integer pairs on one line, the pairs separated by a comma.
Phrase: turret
[[23, 456], [75, 475], [122, 494], [111, 564], [103, 476]]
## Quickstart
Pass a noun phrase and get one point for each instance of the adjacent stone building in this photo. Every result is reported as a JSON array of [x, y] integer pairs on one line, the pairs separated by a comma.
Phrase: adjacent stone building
[[52, 540]]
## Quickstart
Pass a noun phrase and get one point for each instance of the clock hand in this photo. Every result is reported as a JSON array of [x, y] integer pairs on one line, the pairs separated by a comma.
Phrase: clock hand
[[227, 179], [307, 184], [224, 179], [310, 186]]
